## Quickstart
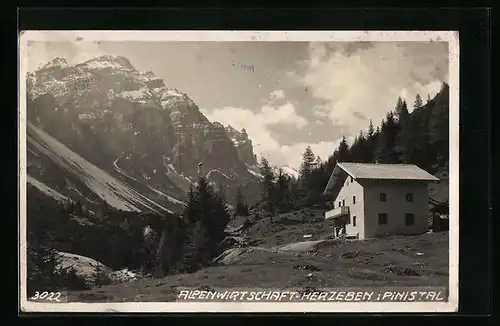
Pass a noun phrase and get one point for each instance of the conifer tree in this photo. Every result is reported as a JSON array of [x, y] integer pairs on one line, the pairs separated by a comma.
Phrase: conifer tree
[[403, 113], [241, 206], [42, 258], [353, 150], [363, 154], [283, 190], [404, 138], [401, 110], [306, 169], [370, 143], [386, 141], [439, 125], [420, 137], [391, 135], [398, 107], [293, 192], [221, 196], [406, 143], [207, 215], [418, 102], [343, 151], [221, 206], [190, 210], [206, 211], [201, 240], [194, 251], [267, 184], [371, 130], [318, 177]]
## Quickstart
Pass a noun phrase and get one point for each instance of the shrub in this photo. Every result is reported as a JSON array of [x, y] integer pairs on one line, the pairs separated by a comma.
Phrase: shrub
[[68, 279]]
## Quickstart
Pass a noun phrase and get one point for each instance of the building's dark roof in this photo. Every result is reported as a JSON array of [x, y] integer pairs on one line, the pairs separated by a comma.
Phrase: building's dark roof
[[386, 171], [378, 171]]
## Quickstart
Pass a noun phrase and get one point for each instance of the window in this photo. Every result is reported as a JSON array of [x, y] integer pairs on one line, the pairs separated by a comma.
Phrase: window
[[340, 203], [383, 196], [409, 219], [354, 221], [409, 197], [343, 202], [382, 218], [353, 200], [352, 180]]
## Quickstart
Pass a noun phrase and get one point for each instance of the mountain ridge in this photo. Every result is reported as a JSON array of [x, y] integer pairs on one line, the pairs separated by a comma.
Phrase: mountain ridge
[[131, 125]]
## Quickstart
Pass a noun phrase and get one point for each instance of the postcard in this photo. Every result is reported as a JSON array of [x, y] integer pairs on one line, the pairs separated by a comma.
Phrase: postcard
[[238, 171]]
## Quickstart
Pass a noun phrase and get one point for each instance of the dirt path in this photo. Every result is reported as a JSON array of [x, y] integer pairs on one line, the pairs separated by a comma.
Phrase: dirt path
[[301, 246]]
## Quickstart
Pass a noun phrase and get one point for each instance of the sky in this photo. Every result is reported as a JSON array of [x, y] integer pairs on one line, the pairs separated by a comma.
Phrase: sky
[[287, 95]]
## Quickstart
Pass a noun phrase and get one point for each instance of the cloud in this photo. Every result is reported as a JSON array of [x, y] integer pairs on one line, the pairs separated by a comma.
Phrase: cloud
[[265, 144], [283, 114], [277, 94], [293, 153], [257, 125], [352, 82]]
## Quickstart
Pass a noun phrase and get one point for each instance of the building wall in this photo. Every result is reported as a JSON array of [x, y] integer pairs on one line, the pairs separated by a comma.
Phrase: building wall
[[346, 193], [395, 206]]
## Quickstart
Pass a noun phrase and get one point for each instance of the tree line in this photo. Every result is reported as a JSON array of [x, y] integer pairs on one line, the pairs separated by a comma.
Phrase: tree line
[[420, 137], [156, 244]]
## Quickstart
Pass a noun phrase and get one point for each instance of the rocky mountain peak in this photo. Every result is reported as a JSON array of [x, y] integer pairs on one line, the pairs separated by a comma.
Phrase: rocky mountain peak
[[109, 61], [56, 62], [242, 143], [130, 123]]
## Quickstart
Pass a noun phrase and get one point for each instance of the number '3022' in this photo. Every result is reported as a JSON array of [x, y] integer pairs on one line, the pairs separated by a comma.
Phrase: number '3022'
[[49, 296]]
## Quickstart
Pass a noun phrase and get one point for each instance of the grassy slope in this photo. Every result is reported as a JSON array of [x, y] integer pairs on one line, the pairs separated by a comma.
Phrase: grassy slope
[[378, 262]]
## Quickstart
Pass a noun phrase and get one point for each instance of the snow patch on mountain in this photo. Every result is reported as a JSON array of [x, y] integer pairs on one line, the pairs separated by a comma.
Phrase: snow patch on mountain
[[86, 116], [141, 95], [179, 179], [122, 172], [287, 170], [109, 61], [46, 189], [142, 87], [253, 170], [109, 90], [209, 174], [57, 62], [103, 65], [171, 199], [114, 192], [290, 171], [255, 174]]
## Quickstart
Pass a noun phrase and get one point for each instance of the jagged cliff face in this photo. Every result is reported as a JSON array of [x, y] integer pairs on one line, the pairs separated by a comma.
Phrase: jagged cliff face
[[243, 145], [132, 125]]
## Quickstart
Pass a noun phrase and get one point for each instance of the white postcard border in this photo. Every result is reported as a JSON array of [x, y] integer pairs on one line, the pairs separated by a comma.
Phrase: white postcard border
[[451, 37]]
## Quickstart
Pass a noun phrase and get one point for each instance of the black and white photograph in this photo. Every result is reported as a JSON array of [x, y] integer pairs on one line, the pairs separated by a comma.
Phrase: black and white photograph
[[238, 171]]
